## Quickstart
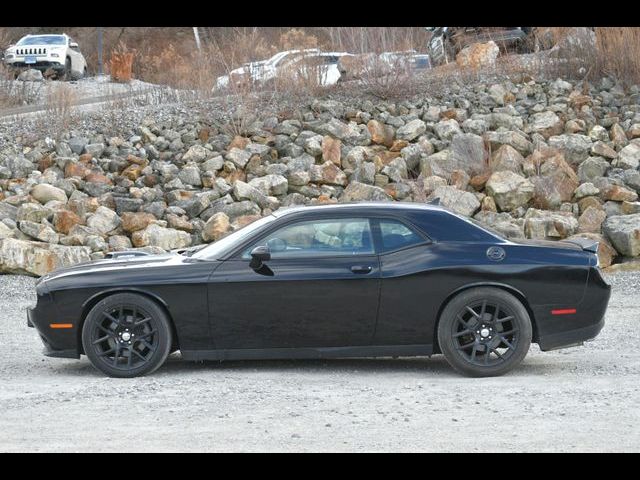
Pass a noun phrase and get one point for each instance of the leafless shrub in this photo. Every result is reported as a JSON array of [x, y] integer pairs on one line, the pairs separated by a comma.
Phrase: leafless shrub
[[59, 108]]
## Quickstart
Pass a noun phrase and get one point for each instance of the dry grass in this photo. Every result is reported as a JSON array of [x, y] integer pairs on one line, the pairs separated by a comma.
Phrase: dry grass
[[59, 105], [121, 64]]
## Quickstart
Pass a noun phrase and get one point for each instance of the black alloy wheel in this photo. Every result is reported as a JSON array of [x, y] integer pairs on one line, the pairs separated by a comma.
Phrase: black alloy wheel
[[126, 335], [484, 332]]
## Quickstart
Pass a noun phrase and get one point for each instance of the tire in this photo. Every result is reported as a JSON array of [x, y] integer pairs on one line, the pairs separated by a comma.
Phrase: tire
[[126, 335], [478, 343], [66, 73]]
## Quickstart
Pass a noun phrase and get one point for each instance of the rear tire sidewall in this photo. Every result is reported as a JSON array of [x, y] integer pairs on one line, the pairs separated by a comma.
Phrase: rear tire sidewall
[[447, 343], [66, 74], [162, 325]]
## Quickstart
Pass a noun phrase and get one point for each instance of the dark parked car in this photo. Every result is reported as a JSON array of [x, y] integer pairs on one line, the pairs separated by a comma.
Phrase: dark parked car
[[349, 280]]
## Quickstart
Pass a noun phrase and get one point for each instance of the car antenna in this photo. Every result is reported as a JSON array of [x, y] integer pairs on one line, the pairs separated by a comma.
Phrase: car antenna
[[434, 201]]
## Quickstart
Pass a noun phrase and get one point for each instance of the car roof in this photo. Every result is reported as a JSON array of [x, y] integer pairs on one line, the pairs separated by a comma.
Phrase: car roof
[[361, 207]]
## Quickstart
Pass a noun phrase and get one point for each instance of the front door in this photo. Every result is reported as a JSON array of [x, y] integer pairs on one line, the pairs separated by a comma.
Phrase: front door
[[320, 289]]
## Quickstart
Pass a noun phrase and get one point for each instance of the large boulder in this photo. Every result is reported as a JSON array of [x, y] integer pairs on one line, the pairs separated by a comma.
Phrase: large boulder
[[411, 130], [271, 184], [502, 222], [545, 123], [478, 55], [44, 193], [555, 182], [216, 227], [624, 233], [468, 153], [104, 220], [157, 236], [549, 225], [38, 258], [576, 147], [509, 190], [31, 75], [628, 157], [459, 201], [357, 191]]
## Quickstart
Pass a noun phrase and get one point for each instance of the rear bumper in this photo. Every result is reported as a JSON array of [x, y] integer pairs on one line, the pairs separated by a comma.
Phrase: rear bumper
[[570, 338], [559, 330]]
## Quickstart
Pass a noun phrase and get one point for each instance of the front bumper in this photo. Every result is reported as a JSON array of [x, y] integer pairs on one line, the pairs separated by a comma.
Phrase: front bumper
[[57, 343], [42, 65]]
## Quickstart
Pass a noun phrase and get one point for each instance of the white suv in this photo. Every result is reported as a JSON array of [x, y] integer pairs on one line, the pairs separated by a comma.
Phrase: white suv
[[51, 54]]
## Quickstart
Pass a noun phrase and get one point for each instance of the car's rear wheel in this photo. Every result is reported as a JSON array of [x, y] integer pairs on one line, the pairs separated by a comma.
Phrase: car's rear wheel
[[126, 335], [484, 332]]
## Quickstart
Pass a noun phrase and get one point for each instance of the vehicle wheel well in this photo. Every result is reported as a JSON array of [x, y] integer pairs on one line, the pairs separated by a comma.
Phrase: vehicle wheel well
[[92, 303], [521, 298]]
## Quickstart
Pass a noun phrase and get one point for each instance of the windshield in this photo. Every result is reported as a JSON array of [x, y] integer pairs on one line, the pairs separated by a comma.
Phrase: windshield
[[43, 40], [223, 246]]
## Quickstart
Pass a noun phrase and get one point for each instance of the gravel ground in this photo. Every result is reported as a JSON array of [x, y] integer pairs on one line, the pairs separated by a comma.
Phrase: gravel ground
[[578, 399]]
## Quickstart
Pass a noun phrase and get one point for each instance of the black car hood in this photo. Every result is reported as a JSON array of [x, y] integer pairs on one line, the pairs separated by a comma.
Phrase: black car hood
[[114, 264]]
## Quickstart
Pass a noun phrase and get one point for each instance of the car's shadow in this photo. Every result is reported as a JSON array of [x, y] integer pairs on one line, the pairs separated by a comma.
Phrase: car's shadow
[[435, 366]]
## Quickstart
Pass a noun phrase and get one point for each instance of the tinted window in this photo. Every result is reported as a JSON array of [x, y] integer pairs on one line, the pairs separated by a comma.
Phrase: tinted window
[[397, 235], [345, 236]]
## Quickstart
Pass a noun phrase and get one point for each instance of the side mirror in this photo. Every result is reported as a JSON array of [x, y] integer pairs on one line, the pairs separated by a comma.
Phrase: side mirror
[[259, 255], [73, 45]]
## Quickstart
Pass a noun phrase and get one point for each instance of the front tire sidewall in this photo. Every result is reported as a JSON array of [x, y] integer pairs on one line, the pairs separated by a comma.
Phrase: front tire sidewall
[[162, 325], [447, 343]]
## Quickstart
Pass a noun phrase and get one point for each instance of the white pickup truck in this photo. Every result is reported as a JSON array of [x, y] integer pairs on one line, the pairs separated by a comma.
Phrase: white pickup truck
[[55, 55]]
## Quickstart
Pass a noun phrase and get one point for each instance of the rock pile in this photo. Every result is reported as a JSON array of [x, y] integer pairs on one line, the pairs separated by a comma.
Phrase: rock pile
[[548, 159]]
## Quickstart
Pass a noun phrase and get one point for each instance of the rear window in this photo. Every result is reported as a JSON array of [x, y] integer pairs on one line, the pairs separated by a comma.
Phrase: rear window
[[396, 235]]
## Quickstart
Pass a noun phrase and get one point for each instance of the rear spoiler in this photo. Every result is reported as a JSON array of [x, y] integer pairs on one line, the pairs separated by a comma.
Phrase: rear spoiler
[[584, 243]]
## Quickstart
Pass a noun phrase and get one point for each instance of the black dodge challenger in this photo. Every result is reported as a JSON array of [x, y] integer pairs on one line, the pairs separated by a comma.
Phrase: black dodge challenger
[[349, 280]]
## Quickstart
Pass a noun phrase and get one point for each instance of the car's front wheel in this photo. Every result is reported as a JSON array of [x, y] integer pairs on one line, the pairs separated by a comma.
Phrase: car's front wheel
[[484, 332], [126, 335]]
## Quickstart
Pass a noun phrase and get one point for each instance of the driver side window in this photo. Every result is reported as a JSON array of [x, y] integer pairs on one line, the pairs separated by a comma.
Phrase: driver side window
[[315, 238]]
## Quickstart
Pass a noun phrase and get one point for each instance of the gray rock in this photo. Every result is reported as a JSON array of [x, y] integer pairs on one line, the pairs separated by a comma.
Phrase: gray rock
[[190, 175], [31, 75], [591, 168], [624, 233], [504, 223], [459, 201], [44, 193], [271, 185], [447, 129], [39, 231], [586, 190], [549, 225], [575, 147], [628, 157], [77, 144], [37, 258], [509, 190], [103, 220], [357, 191], [156, 236], [238, 157], [411, 130]]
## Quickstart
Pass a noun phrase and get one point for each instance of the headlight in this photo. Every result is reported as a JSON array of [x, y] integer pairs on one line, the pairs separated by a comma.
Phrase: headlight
[[55, 55], [9, 56]]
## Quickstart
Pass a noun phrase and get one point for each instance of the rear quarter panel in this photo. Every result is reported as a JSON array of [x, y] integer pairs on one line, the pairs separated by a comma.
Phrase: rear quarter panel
[[417, 283]]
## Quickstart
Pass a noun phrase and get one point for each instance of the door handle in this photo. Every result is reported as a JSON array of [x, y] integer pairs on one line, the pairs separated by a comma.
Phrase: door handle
[[361, 268]]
